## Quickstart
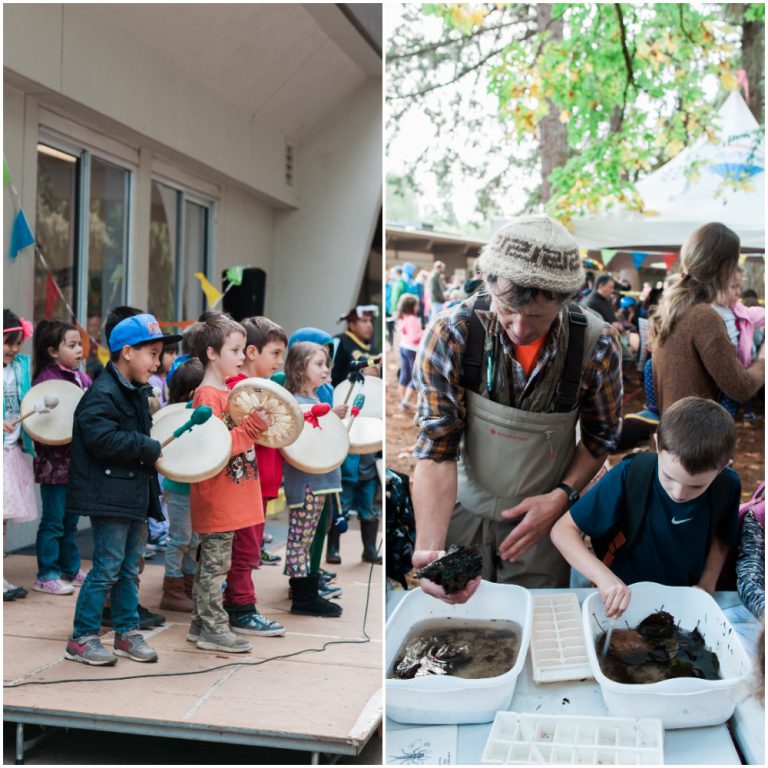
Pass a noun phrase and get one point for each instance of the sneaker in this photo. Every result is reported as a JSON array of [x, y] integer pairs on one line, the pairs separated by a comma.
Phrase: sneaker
[[53, 587], [267, 558], [149, 553], [328, 576], [193, 633], [7, 596], [267, 539], [89, 650], [328, 591], [149, 620], [14, 592], [157, 542], [749, 416], [78, 579], [134, 646], [225, 641], [253, 623]]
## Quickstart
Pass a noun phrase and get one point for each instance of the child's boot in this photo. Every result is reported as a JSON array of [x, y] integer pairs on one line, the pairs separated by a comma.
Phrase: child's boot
[[332, 554], [369, 529], [307, 602], [189, 580], [174, 597]]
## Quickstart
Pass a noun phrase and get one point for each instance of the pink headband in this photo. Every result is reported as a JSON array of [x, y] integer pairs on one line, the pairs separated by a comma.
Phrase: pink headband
[[25, 328]]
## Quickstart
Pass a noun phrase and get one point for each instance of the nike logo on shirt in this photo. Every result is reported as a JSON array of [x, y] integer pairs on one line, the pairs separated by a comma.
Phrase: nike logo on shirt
[[677, 522]]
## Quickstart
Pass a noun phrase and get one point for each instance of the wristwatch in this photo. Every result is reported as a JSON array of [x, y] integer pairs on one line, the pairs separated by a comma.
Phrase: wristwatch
[[571, 493]]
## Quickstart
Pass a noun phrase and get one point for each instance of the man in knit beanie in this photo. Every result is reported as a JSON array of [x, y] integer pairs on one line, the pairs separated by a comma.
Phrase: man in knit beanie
[[504, 379]]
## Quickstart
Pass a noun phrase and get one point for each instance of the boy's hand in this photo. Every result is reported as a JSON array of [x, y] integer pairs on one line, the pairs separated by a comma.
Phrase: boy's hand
[[341, 411], [255, 423], [422, 557], [8, 427], [616, 596]]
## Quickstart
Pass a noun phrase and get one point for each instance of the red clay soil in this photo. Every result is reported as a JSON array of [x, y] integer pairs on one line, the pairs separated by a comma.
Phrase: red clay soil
[[749, 461]]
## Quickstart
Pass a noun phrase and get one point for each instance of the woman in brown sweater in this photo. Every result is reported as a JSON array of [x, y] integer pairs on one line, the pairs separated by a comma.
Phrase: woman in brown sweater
[[692, 354]]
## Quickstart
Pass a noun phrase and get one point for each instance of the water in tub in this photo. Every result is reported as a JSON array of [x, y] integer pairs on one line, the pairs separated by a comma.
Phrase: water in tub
[[657, 649], [467, 648]]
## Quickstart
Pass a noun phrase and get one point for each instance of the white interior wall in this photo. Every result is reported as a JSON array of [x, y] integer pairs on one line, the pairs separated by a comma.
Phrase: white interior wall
[[340, 167]]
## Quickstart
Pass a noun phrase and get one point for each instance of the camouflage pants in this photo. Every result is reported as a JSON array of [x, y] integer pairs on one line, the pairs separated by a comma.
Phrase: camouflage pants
[[212, 568]]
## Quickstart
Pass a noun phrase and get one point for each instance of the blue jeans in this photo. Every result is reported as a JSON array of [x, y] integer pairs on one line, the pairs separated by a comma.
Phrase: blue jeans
[[57, 552], [117, 549], [182, 543]]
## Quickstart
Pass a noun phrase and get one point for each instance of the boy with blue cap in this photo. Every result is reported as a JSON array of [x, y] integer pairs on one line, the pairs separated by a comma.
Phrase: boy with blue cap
[[112, 480]]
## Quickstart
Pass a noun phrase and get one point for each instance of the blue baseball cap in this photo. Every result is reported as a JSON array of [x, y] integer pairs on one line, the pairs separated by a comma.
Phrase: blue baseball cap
[[136, 330]]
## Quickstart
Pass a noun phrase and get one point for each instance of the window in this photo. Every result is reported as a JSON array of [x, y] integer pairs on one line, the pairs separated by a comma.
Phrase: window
[[179, 246], [83, 203]]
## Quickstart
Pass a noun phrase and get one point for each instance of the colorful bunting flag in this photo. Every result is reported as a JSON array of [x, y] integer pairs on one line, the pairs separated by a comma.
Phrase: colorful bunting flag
[[85, 336], [669, 259], [235, 275], [52, 295], [638, 257], [6, 175], [103, 355], [21, 235], [742, 258], [607, 255], [212, 293]]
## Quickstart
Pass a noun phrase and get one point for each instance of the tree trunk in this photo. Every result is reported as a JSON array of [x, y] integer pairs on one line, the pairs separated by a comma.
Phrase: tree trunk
[[753, 58], [553, 135]]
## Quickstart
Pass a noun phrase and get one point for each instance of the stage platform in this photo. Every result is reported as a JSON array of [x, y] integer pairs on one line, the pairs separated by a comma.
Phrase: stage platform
[[327, 703]]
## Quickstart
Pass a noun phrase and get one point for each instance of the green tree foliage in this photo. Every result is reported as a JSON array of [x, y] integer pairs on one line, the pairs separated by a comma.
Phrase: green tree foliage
[[629, 83]]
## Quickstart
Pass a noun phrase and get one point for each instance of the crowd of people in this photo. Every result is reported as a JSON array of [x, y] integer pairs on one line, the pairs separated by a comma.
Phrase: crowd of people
[[212, 531], [520, 403]]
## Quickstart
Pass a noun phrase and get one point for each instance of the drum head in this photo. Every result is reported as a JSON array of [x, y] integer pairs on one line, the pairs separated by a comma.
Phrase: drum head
[[169, 409], [318, 449], [373, 389], [366, 434], [54, 427], [196, 455], [262, 394]]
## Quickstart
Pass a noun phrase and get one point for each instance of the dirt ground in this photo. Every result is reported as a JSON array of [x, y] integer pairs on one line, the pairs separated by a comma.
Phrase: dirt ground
[[749, 461]]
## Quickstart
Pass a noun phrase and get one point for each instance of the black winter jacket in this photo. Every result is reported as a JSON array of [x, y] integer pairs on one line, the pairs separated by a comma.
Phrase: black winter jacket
[[111, 469]]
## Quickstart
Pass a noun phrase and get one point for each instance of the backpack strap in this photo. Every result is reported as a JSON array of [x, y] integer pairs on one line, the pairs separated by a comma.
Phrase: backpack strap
[[474, 349], [638, 482], [567, 392]]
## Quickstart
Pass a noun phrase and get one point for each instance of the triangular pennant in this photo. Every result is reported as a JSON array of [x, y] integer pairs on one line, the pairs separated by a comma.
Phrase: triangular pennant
[[638, 257], [742, 258], [669, 259], [6, 174], [52, 295], [212, 293], [607, 255], [86, 339], [235, 275], [21, 235], [103, 355]]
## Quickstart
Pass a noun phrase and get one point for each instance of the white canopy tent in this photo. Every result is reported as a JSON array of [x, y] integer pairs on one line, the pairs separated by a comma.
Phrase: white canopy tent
[[681, 204]]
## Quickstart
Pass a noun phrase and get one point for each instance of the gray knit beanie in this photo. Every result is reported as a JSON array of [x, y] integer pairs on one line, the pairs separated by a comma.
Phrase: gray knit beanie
[[534, 252]]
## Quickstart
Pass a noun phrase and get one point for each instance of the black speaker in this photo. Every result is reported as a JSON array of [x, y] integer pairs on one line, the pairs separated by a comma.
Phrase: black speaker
[[246, 299]]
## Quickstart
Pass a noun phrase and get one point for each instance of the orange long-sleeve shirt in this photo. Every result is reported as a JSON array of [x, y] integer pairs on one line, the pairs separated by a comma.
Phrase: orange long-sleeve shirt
[[230, 500]]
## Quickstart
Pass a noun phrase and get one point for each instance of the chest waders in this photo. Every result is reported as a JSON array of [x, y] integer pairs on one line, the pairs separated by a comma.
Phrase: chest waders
[[508, 454]]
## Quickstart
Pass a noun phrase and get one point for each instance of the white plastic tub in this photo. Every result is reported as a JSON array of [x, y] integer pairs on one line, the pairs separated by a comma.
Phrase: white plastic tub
[[682, 702], [447, 699]]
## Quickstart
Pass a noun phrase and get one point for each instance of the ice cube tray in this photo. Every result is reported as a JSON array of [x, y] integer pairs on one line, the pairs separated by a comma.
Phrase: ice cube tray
[[519, 738], [558, 648]]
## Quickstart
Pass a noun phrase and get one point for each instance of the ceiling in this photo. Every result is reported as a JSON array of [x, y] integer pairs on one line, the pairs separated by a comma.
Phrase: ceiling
[[286, 65]]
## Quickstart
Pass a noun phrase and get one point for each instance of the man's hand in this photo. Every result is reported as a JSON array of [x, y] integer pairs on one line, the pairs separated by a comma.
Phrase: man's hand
[[422, 557], [615, 594], [541, 513]]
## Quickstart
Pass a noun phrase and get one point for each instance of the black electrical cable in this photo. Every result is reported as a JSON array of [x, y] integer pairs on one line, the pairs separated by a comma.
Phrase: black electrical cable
[[359, 641]]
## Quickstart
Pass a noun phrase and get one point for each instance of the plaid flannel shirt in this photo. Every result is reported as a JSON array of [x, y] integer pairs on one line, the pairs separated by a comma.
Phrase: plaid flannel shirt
[[441, 411]]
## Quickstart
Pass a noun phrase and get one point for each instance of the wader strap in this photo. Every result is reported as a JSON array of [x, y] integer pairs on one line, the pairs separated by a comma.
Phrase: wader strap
[[567, 392]]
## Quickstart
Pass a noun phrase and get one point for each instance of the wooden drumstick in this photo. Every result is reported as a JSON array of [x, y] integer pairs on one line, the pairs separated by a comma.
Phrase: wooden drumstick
[[357, 406], [44, 406], [200, 415]]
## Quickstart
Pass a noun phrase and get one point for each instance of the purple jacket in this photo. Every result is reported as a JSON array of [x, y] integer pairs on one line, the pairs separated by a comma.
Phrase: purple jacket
[[51, 462]]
